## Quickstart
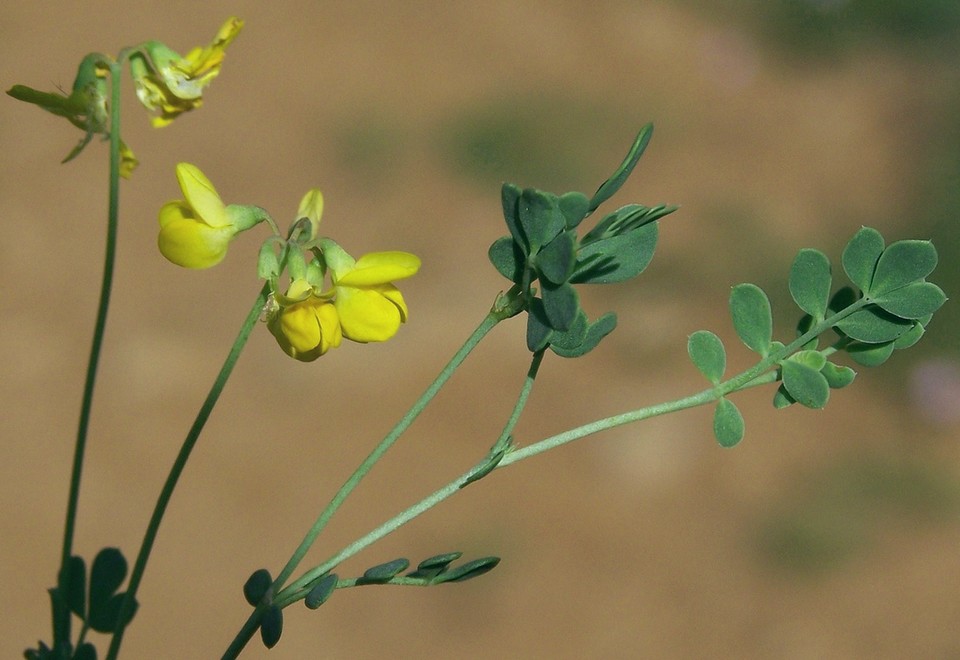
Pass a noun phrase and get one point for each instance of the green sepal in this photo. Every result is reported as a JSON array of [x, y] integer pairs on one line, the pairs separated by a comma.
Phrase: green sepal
[[752, 318], [538, 327], [810, 282], [860, 257], [321, 591], [468, 570], [616, 258], [837, 376], [902, 263], [870, 355], [556, 260], [508, 258], [540, 217], [384, 572], [609, 187], [271, 626], [912, 301], [596, 331], [257, 586], [872, 325], [728, 423], [804, 383], [268, 262], [707, 353], [575, 207], [561, 304]]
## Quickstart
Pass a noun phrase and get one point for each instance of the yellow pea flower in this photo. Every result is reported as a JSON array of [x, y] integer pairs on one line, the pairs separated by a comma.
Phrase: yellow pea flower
[[170, 84], [195, 231], [371, 308], [305, 325]]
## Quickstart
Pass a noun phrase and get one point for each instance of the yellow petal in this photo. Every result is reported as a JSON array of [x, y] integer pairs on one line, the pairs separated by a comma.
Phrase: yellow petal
[[187, 241], [368, 315], [380, 268], [307, 330], [202, 196]]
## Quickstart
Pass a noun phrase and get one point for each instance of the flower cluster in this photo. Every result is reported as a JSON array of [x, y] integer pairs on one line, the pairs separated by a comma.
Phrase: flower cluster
[[171, 84], [308, 317], [166, 84]]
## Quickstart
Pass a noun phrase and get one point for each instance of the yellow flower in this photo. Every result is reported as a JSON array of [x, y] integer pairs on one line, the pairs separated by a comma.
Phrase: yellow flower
[[170, 84], [195, 231], [304, 324], [371, 308]]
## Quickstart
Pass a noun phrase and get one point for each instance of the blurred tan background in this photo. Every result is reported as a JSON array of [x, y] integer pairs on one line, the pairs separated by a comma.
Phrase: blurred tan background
[[780, 125]]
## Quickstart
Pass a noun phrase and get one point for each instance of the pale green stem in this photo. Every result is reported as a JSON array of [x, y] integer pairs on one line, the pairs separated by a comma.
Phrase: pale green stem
[[177, 468], [253, 621], [759, 374]]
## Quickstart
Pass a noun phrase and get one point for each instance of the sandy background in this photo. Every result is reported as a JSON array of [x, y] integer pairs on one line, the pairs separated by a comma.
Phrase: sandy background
[[825, 534]]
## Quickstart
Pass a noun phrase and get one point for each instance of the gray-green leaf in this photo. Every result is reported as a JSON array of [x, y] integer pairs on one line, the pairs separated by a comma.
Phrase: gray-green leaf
[[810, 282], [707, 352], [860, 256], [752, 318], [727, 423]]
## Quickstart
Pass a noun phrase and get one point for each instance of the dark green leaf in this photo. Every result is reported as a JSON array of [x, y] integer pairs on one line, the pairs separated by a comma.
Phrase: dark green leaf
[[469, 570], [384, 572], [752, 319], [782, 398], [626, 219], [860, 257], [573, 337], [870, 355], [810, 282], [707, 352], [106, 575], [271, 626], [561, 304], [256, 586], [873, 326], [575, 207], [105, 618], [616, 258], [912, 301], [842, 299], [837, 376], [597, 330], [507, 258], [727, 423], [540, 217], [538, 327], [86, 651], [804, 326], [434, 566], [609, 187], [901, 264], [321, 591], [555, 261], [510, 199], [805, 384], [910, 337]]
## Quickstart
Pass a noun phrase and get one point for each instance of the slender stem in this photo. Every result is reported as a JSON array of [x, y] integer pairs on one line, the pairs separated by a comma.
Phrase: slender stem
[[127, 606], [253, 621], [86, 405]]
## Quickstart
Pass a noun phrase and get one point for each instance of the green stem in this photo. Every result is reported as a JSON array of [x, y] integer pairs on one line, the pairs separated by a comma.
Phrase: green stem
[[126, 608], [253, 621], [86, 405], [298, 589]]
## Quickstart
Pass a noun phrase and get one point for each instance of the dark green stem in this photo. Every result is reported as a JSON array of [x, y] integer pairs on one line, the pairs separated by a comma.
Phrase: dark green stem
[[126, 609], [63, 579]]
